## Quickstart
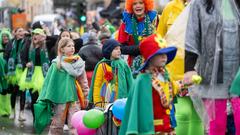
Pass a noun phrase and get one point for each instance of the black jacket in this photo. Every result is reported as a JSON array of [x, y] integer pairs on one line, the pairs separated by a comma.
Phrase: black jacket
[[91, 53]]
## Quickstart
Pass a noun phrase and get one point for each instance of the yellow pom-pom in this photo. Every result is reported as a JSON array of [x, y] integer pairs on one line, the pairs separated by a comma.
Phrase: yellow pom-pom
[[168, 111]]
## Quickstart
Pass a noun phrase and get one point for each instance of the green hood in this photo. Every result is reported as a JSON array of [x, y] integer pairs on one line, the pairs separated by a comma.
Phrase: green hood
[[6, 32]]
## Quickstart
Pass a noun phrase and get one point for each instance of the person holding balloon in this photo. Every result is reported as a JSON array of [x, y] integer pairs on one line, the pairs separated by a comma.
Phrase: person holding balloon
[[65, 90], [112, 78], [149, 108], [188, 120]]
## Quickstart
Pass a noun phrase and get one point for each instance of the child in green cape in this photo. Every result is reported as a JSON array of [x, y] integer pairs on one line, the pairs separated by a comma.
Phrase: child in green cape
[[65, 88], [149, 108], [112, 78]]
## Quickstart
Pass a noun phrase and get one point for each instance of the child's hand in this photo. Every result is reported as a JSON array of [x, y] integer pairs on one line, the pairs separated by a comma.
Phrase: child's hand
[[190, 79], [46, 30]]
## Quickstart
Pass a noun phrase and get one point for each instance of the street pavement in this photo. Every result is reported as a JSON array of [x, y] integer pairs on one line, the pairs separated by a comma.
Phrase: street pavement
[[16, 127]]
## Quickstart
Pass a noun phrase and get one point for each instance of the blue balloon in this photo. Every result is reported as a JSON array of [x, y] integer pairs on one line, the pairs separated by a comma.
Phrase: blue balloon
[[118, 108]]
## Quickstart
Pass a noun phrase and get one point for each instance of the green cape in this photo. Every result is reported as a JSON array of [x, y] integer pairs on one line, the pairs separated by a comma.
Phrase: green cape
[[58, 87], [235, 87], [43, 114], [125, 78], [138, 117]]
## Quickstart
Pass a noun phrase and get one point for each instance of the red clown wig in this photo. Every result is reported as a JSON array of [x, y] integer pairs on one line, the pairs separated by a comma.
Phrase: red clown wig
[[149, 5]]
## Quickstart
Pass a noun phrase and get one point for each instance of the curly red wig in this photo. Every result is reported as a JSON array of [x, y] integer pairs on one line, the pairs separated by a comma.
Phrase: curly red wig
[[149, 5]]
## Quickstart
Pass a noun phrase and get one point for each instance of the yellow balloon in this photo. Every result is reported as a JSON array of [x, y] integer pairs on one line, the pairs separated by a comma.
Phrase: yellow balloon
[[196, 79]]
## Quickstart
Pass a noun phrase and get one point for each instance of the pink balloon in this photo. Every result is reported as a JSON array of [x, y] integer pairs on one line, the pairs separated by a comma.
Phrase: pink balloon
[[77, 122], [77, 118], [82, 130]]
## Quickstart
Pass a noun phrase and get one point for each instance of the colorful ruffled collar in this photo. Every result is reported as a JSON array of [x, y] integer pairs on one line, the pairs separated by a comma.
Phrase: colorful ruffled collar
[[127, 19]]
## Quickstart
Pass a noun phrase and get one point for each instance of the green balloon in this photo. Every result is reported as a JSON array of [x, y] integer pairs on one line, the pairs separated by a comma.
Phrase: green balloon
[[93, 118]]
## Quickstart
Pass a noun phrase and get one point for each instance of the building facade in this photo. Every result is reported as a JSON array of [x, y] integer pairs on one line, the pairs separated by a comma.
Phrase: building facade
[[31, 7]]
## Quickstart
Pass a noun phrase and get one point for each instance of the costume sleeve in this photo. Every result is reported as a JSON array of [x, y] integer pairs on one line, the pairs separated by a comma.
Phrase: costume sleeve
[[8, 50], [25, 53], [97, 84], [122, 35], [162, 25], [190, 61], [125, 40], [82, 79], [193, 32], [130, 50], [193, 37], [51, 41]]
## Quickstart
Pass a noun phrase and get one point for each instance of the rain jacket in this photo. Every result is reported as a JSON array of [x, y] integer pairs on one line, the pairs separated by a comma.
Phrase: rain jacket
[[214, 38]]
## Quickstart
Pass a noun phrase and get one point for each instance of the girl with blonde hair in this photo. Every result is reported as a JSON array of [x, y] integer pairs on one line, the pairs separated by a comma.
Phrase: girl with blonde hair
[[65, 88]]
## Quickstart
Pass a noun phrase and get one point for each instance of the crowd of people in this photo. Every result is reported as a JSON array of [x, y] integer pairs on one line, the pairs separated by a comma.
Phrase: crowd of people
[[70, 72]]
